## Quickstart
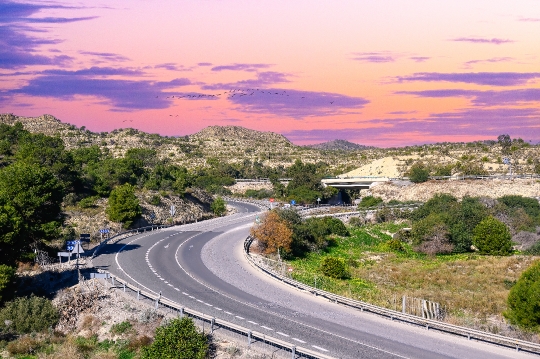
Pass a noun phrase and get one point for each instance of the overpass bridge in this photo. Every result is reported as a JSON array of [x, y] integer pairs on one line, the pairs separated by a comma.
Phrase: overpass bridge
[[353, 182]]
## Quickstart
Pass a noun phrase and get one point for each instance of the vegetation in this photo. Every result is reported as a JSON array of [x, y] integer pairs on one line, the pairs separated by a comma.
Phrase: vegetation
[[418, 173], [524, 299], [335, 268], [7, 275], [219, 207], [28, 315], [370, 201], [123, 205], [491, 236], [179, 339]]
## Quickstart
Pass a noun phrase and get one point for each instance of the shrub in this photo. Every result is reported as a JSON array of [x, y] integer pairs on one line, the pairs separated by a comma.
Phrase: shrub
[[219, 207], [121, 328], [23, 345], [335, 268], [370, 201], [524, 299], [28, 315], [88, 202], [155, 200], [179, 339], [418, 173], [491, 236], [395, 245]]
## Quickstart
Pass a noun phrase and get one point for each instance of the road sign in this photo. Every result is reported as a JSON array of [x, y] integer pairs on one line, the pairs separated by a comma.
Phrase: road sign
[[70, 245], [172, 210], [103, 231], [293, 202], [100, 275], [78, 249], [290, 269], [64, 254], [257, 219], [271, 200]]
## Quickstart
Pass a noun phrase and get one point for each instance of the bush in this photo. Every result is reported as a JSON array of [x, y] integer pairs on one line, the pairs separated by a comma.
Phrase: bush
[[27, 315], [123, 205], [418, 173], [23, 345], [395, 245], [335, 268], [179, 339], [88, 202], [491, 236], [121, 328], [524, 299], [219, 207], [155, 200], [369, 201]]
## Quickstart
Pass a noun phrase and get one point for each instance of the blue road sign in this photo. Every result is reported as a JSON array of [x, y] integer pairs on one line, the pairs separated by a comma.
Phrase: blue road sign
[[293, 202], [106, 230]]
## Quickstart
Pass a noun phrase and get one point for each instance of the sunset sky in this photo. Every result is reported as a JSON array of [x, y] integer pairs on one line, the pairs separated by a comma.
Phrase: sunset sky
[[381, 72]]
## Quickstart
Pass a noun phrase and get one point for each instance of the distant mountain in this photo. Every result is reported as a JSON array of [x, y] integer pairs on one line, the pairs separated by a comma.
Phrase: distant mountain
[[339, 145]]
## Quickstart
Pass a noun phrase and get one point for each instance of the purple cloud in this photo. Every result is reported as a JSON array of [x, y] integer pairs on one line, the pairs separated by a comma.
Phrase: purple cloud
[[479, 78], [54, 20], [204, 64], [479, 40], [108, 56], [401, 112], [96, 71], [469, 64], [123, 95], [241, 67], [483, 98], [172, 67], [374, 57], [529, 19], [294, 103], [419, 58], [263, 79]]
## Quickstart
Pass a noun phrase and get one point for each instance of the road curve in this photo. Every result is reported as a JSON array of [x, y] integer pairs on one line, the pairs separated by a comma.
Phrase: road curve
[[201, 266]]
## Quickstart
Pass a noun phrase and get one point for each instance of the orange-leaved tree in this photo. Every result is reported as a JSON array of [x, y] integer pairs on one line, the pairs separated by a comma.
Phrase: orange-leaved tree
[[272, 233]]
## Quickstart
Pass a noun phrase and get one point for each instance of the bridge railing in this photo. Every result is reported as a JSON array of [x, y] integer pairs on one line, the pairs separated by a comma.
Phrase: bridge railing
[[392, 314], [216, 323]]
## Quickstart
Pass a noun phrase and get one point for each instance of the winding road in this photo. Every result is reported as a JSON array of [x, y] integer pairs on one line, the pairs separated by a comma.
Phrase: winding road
[[201, 266]]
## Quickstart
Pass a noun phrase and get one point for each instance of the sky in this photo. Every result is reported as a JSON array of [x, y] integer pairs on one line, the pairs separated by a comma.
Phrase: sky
[[375, 72]]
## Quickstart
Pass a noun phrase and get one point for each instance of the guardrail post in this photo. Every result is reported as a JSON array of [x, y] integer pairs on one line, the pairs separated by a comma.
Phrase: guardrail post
[[212, 325], [182, 312], [403, 304], [249, 338], [157, 300], [112, 280], [124, 287], [138, 293], [293, 352]]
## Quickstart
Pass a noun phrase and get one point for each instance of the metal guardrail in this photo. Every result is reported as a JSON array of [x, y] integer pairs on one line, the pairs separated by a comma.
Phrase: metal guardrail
[[219, 323], [395, 315]]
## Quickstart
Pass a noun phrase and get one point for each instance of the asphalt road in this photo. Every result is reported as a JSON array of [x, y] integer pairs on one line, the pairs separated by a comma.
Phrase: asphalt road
[[201, 266]]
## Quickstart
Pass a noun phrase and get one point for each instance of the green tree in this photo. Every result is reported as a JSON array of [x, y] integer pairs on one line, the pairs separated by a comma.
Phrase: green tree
[[418, 173], [179, 339], [370, 201], [491, 236], [219, 207], [524, 299], [123, 205], [30, 200]]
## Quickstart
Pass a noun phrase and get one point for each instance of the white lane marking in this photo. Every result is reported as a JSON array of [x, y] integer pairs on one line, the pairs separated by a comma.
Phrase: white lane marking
[[299, 341], [283, 334], [210, 305], [176, 289], [192, 297], [249, 321], [229, 313], [169, 284], [239, 317], [322, 349], [200, 301], [216, 308], [184, 293], [262, 326]]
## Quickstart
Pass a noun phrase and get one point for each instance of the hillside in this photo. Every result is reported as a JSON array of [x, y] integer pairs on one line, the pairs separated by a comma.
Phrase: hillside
[[234, 144], [338, 145]]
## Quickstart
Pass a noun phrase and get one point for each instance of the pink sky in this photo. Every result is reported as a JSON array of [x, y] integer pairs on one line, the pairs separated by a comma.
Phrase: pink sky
[[384, 73]]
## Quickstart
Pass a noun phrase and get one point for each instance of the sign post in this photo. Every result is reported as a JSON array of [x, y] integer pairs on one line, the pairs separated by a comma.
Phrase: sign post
[[271, 203], [318, 201], [102, 232], [172, 211]]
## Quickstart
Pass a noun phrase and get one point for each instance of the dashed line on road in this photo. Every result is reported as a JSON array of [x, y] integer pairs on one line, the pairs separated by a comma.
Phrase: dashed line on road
[[249, 321], [262, 326], [283, 334], [319, 348], [239, 317], [299, 341]]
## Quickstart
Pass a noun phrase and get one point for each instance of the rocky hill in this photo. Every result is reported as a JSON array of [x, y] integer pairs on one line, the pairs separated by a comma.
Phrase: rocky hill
[[339, 145], [234, 144]]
